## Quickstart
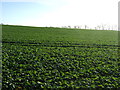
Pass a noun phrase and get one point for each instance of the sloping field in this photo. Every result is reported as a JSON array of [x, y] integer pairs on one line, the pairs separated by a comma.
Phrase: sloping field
[[46, 57]]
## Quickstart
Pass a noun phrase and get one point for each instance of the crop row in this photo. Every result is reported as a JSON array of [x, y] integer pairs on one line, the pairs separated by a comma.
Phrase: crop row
[[59, 67]]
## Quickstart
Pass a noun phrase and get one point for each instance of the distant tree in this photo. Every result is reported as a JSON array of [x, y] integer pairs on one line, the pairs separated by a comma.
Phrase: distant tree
[[95, 28], [65, 26], [79, 27], [108, 27], [98, 27], [1, 24], [69, 26], [75, 26], [104, 27], [86, 26]]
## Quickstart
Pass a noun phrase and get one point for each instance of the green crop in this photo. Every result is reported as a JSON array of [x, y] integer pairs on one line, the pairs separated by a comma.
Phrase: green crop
[[42, 57]]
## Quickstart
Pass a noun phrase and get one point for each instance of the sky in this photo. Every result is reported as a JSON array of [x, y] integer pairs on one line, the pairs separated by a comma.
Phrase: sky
[[58, 13]]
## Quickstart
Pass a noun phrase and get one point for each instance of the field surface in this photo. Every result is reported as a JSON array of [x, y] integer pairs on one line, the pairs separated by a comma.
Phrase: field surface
[[46, 57]]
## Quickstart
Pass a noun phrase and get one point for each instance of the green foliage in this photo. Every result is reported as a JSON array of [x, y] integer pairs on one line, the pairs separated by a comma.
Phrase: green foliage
[[59, 58]]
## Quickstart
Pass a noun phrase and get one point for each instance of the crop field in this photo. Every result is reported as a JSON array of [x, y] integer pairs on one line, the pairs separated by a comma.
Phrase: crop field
[[47, 57]]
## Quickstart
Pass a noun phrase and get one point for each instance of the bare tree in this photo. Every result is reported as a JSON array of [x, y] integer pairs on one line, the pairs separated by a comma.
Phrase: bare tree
[[69, 26], [75, 26], [98, 27]]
